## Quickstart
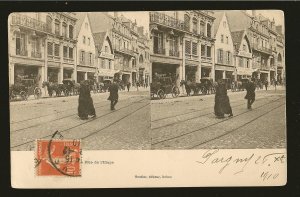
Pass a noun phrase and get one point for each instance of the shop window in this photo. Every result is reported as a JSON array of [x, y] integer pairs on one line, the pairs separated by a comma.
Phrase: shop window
[[56, 49], [50, 48]]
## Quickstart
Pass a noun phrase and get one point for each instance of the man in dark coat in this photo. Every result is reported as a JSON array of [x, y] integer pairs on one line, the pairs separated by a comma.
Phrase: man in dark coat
[[250, 96], [222, 103], [85, 101], [266, 84], [113, 92], [128, 85]]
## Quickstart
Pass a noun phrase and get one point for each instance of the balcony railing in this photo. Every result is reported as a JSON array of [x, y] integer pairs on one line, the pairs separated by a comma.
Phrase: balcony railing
[[174, 53], [260, 66], [25, 21], [261, 48], [160, 51], [204, 58], [36, 54], [163, 19], [68, 60], [22, 52], [124, 50]]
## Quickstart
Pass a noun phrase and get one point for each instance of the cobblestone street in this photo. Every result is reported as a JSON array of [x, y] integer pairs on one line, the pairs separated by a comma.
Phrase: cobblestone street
[[110, 130], [189, 122]]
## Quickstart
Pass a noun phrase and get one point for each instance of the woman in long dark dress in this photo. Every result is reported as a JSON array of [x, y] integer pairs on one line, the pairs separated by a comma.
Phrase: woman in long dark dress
[[85, 101], [222, 103]]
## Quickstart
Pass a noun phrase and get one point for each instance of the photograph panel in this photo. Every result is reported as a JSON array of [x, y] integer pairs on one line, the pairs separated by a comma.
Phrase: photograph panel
[[218, 79], [83, 75]]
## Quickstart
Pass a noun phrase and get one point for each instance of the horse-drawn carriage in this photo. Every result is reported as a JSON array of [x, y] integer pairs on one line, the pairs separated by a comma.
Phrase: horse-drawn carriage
[[67, 87], [24, 89], [208, 85], [163, 86]]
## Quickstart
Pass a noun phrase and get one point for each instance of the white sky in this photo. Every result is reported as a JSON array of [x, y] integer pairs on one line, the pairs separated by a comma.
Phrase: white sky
[[142, 18]]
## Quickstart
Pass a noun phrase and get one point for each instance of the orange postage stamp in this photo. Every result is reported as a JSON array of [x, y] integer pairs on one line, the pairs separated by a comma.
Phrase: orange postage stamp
[[58, 158]]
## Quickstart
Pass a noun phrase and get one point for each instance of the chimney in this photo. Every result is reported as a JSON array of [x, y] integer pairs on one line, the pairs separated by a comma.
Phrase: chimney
[[116, 14], [254, 13]]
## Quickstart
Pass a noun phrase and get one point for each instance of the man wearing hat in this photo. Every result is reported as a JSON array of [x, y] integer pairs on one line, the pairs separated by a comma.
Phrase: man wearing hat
[[250, 96], [113, 91]]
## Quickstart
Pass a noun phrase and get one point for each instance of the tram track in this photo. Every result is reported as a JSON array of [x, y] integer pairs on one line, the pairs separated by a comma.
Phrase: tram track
[[218, 122], [233, 130], [195, 117], [51, 114], [59, 118], [88, 121]]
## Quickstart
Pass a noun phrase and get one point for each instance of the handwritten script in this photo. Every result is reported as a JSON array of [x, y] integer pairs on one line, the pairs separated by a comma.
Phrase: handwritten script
[[238, 164]]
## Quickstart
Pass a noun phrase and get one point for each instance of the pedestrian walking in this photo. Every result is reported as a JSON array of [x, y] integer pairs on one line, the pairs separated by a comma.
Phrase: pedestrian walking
[[266, 84], [85, 101], [137, 85], [222, 103], [128, 85], [113, 92], [250, 96]]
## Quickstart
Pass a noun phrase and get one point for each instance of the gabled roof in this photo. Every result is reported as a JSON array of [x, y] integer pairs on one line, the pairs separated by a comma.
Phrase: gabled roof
[[80, 16], [237, 38], [100, 21], [99, 39], [238, 20], [218, 17]]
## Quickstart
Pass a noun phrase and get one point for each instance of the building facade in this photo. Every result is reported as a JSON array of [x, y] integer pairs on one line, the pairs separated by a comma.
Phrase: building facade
[[42, 46], [280, 48], [127, 42], [182, 44], [104, 57], [224, 48], [263, 38], [242, 55], [86, 68]]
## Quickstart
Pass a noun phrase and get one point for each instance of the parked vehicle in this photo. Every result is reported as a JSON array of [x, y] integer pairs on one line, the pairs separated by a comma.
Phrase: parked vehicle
[[24, 89]]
